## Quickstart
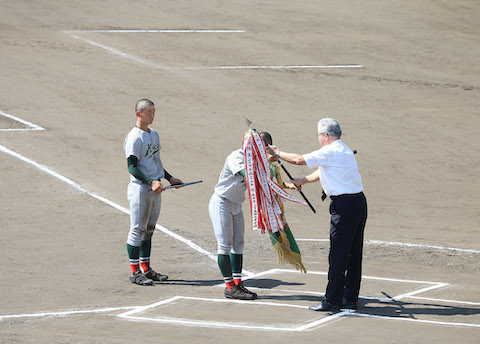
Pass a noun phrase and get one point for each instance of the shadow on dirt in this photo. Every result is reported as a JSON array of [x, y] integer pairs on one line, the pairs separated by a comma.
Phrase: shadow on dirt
[[403, 309]]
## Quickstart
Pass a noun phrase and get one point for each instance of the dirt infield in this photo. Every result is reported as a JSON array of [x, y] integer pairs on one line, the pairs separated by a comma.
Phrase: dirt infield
[[403, 81]]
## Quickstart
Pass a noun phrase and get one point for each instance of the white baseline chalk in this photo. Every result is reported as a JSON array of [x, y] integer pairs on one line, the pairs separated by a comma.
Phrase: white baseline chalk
[[133, 314], [158, 31], [419, 291], [435, 247], [272, 271], [443, 300], [404, 244], [119, 52], [30, 125], [410, 319], [164, 230], [64, 313], [276, 67], [138, 59]]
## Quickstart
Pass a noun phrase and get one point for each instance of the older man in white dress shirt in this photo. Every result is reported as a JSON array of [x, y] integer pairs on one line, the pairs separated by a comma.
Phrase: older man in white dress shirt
[[338, 173]]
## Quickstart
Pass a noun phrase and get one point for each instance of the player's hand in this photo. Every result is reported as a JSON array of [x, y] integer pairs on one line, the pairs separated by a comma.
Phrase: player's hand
[[157, 187], [292, 186], [175, 181]]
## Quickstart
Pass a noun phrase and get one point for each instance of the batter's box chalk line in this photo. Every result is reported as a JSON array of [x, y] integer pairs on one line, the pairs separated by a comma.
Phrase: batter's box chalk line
[[27, 125], [134, 314], [313, 319], [432, 285]]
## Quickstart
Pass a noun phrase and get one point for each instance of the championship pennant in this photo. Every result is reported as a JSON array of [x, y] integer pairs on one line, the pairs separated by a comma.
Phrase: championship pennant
[[265, 210]]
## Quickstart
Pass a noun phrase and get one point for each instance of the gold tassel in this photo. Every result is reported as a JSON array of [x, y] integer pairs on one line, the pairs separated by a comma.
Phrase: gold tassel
[[285, 255]]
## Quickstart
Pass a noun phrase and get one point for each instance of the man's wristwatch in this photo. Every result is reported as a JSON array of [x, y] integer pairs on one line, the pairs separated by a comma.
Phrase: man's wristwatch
[[277, 155]]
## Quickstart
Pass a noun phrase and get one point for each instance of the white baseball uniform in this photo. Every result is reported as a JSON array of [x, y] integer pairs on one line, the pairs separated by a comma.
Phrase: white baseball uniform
[[144, 203], [225, 207]]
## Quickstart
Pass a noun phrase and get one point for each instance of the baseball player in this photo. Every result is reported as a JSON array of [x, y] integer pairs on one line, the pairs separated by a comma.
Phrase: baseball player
[[142, 150], [225, 209]]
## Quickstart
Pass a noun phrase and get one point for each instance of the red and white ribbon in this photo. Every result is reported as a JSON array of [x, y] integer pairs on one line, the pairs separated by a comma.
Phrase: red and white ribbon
[[265, 210]]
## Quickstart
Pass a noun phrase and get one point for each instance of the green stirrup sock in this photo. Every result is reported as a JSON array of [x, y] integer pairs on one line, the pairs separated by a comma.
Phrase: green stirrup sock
[[237, 262], [133, 257], [145, 248], [133, 252], [224, 265]]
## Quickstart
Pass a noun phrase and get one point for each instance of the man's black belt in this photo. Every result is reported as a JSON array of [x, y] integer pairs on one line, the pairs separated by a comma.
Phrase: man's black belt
[[346, 195]]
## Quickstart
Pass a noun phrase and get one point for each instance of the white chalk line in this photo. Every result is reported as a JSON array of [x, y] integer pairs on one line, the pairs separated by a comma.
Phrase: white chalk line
[[296, 291], [419, 291], [140, 60], [433, 285], [30, 126], [192, 322], [316, 293], [402, 244], [246, 326], [65, 313], [411, 295], [443, 300], [278, 270], [132, 310], [412, 320], [157, 31], [276, 67], [138, 309], [120, 53]]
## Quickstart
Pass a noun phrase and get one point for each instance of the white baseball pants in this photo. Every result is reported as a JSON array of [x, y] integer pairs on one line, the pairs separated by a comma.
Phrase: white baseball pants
[[228, 224], [144, 211]]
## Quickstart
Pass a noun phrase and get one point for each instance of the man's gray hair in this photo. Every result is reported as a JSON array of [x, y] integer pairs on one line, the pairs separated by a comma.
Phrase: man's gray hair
[[329, 126]]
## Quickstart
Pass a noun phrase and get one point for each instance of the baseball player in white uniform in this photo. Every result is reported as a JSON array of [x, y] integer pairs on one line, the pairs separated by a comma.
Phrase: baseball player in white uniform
[[225, 209], [142, 150]]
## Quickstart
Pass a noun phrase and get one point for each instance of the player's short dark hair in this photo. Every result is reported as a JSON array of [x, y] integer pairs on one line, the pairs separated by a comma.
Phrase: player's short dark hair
[[266, 137], [142, 104]]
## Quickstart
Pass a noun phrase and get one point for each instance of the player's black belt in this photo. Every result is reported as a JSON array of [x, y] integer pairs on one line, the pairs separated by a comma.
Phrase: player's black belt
[[346, 195]]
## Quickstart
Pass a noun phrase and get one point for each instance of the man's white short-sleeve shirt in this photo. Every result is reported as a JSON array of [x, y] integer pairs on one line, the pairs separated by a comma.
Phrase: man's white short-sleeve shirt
[[337, 168]]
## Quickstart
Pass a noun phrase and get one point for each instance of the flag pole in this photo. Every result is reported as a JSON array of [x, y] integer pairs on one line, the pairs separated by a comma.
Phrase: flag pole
[[301, 193], [250, 124]]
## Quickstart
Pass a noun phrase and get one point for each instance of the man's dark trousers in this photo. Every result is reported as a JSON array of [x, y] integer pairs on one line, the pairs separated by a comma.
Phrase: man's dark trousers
[[347, 225]]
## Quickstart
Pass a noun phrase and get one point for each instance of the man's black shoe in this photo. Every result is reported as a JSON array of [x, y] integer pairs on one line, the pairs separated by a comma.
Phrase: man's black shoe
[[349, 304], [325, 306]]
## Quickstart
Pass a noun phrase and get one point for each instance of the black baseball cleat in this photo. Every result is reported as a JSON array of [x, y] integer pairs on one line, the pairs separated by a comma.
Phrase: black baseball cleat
[[139, 278], [349, 304], [238, 293], [325, 307], [241, 286], [155, 276]]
